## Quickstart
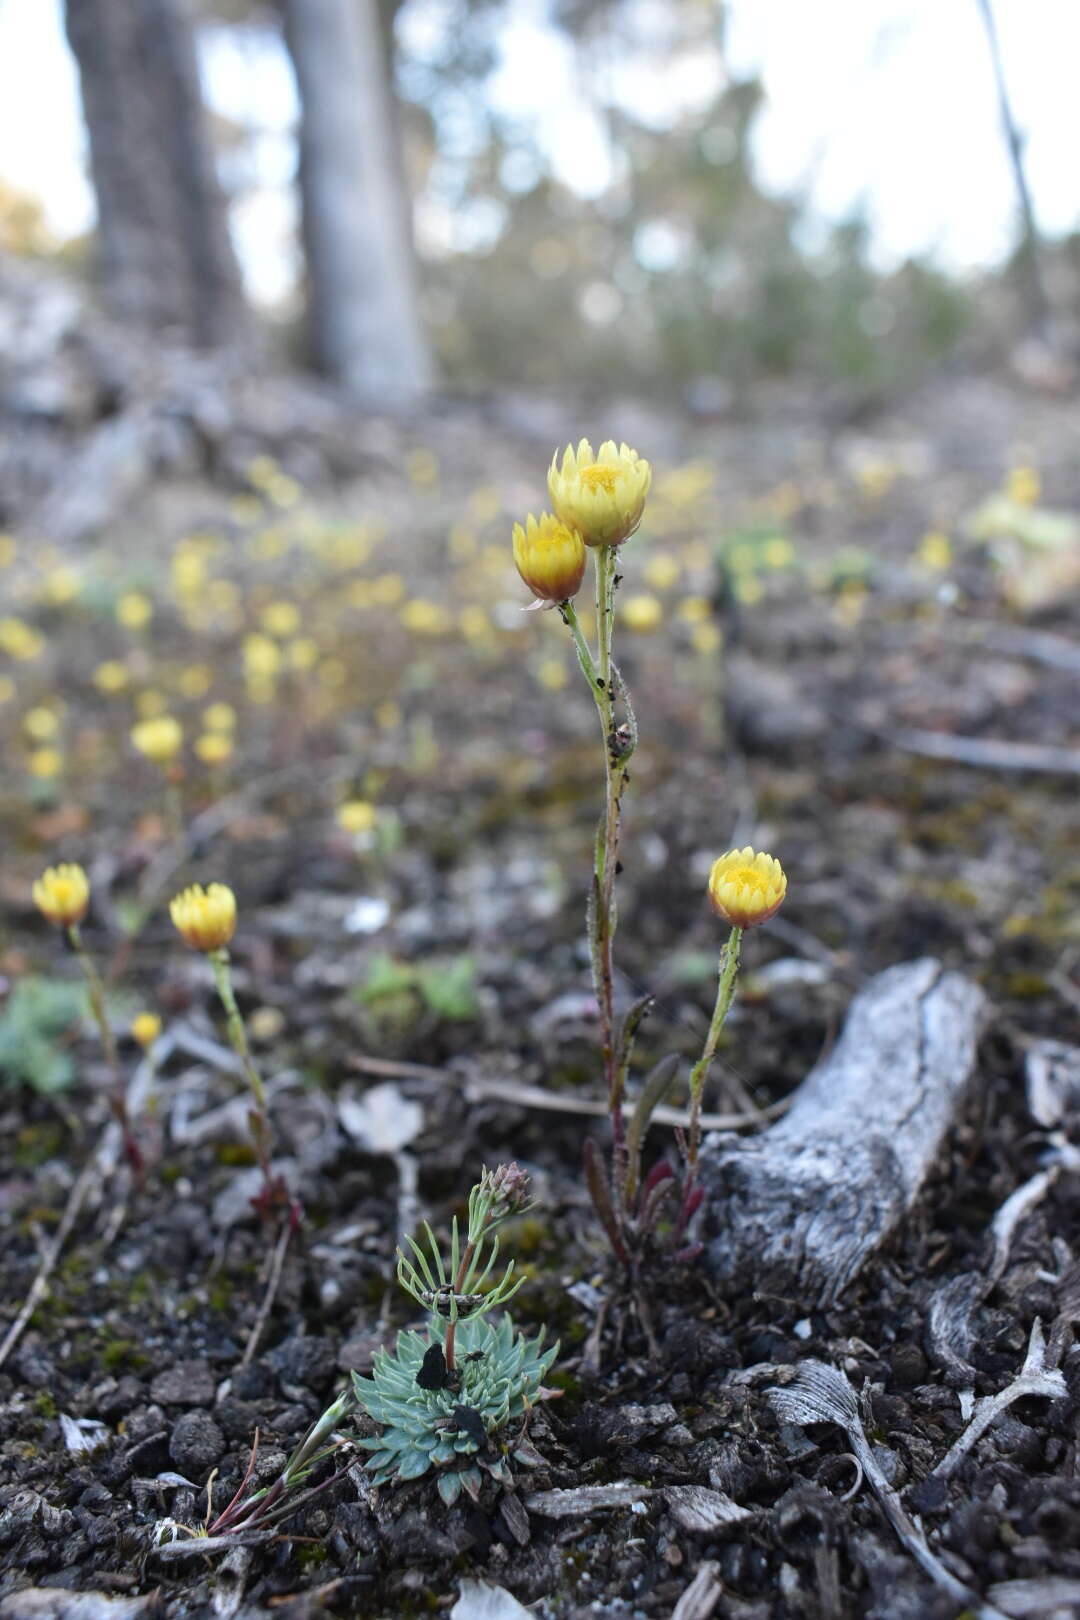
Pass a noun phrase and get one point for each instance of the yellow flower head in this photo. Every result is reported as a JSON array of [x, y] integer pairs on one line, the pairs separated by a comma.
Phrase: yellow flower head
[[145, 1028], [205, 917], [159, 739], [214, 747], [747, 888], [550, 557], [357, 816], [62, 895], [601, 496]]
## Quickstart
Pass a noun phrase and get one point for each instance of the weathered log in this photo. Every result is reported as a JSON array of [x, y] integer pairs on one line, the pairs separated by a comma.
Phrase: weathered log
[[800, 1209]]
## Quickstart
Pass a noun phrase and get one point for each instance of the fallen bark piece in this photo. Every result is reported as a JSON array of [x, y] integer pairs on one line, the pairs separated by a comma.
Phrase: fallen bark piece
[[701, 1596], [57, 1603], [587, 1499], [800, 1209], [702, 1511]]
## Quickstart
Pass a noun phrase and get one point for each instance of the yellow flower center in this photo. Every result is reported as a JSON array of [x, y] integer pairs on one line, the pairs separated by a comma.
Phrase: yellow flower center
[[597, 477], [747, 878]]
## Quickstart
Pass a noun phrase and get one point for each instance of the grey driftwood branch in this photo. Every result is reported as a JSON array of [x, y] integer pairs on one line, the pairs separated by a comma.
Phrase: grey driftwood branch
[[800, 1209]]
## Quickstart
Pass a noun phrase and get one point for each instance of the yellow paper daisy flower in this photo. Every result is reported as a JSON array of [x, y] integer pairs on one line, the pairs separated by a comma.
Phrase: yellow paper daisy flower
[[159, 739], [62, 895], [747, 888], [550, 557], [602, 496], [205, 917]]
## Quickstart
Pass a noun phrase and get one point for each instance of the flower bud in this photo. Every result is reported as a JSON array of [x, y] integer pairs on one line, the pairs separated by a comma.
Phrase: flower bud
[[550, 558], [205, 917], [509, 1189], [62, 895], [601, 496], [747, 888]]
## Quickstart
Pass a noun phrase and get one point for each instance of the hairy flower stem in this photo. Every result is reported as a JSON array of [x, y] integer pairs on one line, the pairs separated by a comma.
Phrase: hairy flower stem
[[258, 1117], [459, 1288], [725, 991], [95, 991], [618, 743]]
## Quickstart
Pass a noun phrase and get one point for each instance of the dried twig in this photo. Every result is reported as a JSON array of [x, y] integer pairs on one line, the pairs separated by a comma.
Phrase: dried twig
[[277, 1264], [93, 1168], [823, 1394], [985, 753], [1034, 1378]]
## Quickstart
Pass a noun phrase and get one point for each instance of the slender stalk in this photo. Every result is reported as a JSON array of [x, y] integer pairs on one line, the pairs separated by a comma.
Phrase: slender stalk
[[606, 686], [725, 991], [95, 991], [459, 1288], [260, 1123]]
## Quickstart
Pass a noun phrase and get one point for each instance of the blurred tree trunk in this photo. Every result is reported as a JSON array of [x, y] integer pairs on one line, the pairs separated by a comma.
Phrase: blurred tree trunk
[[366, 330], [1028, 258], [167, 256]]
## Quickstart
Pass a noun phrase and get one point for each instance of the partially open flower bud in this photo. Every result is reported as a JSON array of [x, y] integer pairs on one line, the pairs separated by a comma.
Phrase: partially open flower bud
[[509, 1188], [550, 557], [747, 888], [601, 496], [62, 894], [205, 917]]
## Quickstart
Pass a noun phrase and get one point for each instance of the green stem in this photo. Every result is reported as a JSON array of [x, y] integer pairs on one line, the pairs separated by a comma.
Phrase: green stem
[[95, 991], [459, 1288], [725, 991], [260, 1123]]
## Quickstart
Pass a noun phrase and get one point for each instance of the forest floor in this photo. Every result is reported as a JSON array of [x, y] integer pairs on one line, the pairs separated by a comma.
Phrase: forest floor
[[801, 608]]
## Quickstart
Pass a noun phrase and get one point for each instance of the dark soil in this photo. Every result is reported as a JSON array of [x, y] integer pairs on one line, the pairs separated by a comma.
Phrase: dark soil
[[487, 785]]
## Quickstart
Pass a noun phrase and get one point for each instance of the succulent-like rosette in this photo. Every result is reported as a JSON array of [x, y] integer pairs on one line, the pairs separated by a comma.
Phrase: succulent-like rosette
[[205, 917], [747, 888], [601, 496], [550, 557], [159, 739], [62, 895], [500, 1374]]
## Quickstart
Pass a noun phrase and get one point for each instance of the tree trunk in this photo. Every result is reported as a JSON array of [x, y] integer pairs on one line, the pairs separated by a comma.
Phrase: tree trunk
[[167, 256], [366, 330]]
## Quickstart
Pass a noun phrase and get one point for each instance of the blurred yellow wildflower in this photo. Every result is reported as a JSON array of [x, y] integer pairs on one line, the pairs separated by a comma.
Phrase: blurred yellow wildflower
[[61, 585], [195, 680], [145, 1028], [112, 676], [550, 557], [356, 816], [9, 550], [261, 655], [747, 888], [213, 747], [706, 638], [935, 551], [280, 618], [45, 763], [425, 618], [62, 894], [20, 640], [552, 675], [205, 917], [694, 609], [302, 653], [159, 739], [134, 610], [151, 703], [601, 496], [1023, 485], [41, 724], [643, 612], [662, 571], [7, 688], [778, 552], [219, 717]]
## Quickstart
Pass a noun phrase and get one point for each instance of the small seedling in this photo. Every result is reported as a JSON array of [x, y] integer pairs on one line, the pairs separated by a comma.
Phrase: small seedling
[[446, 1392]]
